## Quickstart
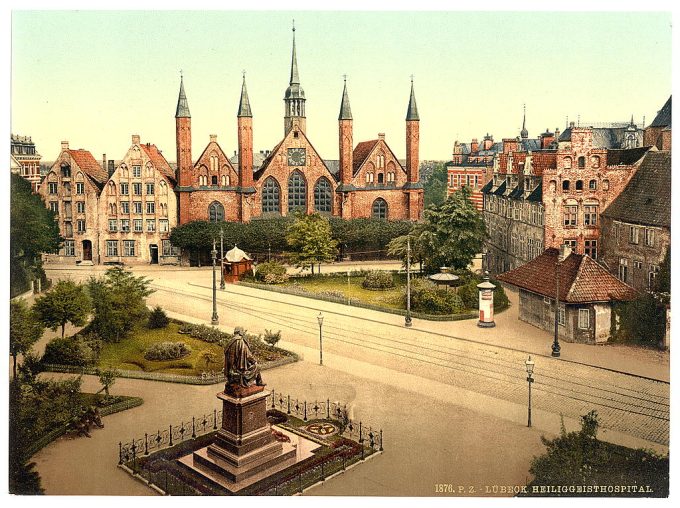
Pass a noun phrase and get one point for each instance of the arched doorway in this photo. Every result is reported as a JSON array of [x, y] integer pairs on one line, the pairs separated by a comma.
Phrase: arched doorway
[[153, 254], [87, 250]]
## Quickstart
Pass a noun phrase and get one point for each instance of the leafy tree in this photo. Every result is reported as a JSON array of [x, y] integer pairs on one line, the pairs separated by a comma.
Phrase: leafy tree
[[435, 187], [66, 302], [24, 331], [158, 319], [107, 378], [310, 237], [119, 301]]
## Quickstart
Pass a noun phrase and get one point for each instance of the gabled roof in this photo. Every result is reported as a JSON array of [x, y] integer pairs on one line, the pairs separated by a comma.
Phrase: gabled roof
[[265, 164], [219, 149], [581, 279], [664, 116], [361, 153], [625, 157], [647, 197], [87, 163], [158, 160]]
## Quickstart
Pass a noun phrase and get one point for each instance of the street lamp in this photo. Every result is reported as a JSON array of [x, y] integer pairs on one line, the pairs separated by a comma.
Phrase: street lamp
[[319, 318], [221, 258], [215, 319], [556, 341], [530, 370], [407, 319]]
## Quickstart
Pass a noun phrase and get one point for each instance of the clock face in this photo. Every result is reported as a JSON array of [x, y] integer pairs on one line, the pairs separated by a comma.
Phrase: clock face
[[296, 156]]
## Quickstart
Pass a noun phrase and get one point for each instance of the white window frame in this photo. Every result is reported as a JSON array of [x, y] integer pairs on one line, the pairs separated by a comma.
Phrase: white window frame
[[112, 248], [584, 319], [129, 248]]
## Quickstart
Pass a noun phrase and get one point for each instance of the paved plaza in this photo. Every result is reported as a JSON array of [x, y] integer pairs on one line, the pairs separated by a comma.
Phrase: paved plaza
[[449, 390]]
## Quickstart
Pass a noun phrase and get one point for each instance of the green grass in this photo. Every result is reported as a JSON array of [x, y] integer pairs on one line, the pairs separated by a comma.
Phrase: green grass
[[391, 298], [128, 354]]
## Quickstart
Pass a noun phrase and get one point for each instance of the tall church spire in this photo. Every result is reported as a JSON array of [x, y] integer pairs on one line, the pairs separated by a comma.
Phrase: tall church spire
[[412, 113], [182, 103], [244, 104], [524, 133], [345, 109], [294, 97], [294, 77]]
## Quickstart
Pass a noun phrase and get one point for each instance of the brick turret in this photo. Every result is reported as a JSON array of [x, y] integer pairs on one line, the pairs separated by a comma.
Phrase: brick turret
[[413, 185], [183, 143], [245, 152]]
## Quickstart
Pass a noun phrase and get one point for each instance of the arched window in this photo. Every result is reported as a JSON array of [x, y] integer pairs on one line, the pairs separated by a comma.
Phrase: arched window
[[66, 170], [163, 188], [148, 169], [214, 162], [380, 209], [323, 196], [297, 192], [124, 171], [216, 212], [581, 162], [579, 185], [225, 180], [271, 196], [567, 163], [112, 188], [565, 185], [592, 185]]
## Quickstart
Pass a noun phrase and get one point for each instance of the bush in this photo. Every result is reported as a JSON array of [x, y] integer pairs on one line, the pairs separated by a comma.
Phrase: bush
[[377, 279], [271, 272], [469, 294], [426, 298], [167, 351], [158, 319], [70, 351], [640, 321], [272, 338]]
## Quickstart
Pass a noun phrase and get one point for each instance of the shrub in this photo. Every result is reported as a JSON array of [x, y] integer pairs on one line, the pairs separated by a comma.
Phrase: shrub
[[425, 297], [469, 294], [271, 272], [69, 351], [167, 351], [272, 338], [158, 319], [377, 279]]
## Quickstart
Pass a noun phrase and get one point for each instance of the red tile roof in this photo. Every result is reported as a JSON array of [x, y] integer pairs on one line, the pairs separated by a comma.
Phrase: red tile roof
[[158, 160], [362, 151], [89, 165], [539, 162], [582, 280]]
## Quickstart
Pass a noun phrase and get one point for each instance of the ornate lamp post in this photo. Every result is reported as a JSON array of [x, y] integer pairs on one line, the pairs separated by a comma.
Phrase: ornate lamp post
[[530, 370], [319, 318], [221, 258], [407, 319], [215, 318], [556, 342]]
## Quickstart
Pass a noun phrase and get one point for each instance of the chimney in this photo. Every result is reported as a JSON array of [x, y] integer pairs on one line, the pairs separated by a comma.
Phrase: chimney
[[213, 138], [565, 252], [64, 145], [381, 135], [135, 139], [488, 142], [104, 162], [510, 145], [474, 146], [112, 167]]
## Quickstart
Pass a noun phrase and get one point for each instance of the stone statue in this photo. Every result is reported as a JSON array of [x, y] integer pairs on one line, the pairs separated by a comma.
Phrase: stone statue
[[240, 366]]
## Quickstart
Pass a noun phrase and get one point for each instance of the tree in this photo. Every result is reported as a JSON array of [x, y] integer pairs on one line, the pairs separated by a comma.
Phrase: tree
[[33, 230], [67, 302], [434, 188], [119, 302], [311, 239], [24, 331], [108, 378]]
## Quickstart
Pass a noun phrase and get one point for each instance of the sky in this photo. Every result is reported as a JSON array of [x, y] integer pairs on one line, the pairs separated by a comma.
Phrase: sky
[[94, 78]]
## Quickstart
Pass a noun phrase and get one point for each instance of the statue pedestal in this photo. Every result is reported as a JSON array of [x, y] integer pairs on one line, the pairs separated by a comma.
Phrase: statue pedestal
[[244, 450]]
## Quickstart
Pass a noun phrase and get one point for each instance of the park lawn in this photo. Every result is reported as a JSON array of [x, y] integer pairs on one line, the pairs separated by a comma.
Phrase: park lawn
[[128, 354], [337, 286]]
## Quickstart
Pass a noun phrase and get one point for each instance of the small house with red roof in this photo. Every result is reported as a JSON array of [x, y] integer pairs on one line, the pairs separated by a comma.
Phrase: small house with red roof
[[585, 292]]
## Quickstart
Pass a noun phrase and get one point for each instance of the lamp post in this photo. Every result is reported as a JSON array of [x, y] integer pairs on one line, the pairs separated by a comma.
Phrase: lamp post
[[407, 319], [221, 258], [556, 341], [530, 370], [349, 301], [215, 319], [319, 318]]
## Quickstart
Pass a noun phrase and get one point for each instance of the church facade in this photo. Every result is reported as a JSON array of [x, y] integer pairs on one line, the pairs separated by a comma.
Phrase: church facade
[[367, 181]]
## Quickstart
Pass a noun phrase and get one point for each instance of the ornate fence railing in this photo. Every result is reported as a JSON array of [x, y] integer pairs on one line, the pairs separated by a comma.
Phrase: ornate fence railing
[[367, 439]]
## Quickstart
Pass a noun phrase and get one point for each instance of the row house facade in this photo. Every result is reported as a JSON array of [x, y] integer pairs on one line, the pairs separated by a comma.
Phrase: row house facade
[[120, 215], [25, 159], [366, 181]]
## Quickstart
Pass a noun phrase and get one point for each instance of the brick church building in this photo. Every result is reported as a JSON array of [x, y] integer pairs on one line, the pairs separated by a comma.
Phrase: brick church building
[[367, 181]]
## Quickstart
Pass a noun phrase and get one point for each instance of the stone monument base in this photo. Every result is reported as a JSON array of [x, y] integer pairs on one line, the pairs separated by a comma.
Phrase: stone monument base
[[244, 451]]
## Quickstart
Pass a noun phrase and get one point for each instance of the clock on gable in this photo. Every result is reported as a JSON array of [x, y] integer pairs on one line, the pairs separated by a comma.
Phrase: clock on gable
[[297, 156]]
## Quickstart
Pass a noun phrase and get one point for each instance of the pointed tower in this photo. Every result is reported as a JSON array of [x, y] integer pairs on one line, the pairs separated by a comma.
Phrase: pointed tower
[[245, 152], [413, 185], [184, 162], [295, 98], [524, 133], [346, 145]]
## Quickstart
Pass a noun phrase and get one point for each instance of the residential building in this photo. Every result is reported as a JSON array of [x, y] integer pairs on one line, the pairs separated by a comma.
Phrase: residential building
[[636, 226], [585, 291], [24, 154]]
